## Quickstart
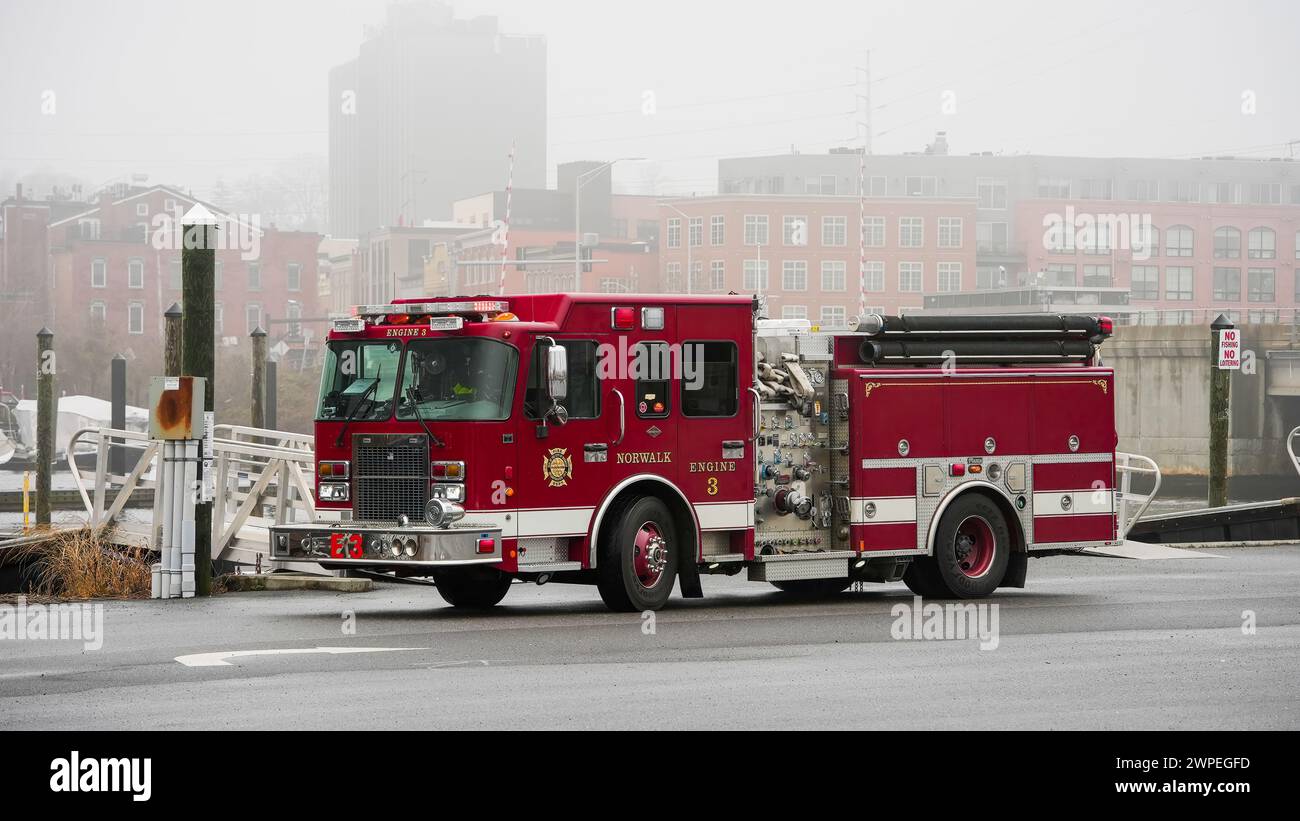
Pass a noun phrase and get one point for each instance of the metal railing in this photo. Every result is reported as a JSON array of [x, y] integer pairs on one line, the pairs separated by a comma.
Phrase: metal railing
[[1290, 448], [1131, 505], [260, 477]]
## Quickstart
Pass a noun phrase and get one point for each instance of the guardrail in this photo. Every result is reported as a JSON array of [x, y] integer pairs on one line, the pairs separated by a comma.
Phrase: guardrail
[[1290, 448], [1132, 505], [261, 477]]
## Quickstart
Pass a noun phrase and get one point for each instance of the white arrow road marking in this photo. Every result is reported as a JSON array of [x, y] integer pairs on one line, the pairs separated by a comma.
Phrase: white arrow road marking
[[219, 659]]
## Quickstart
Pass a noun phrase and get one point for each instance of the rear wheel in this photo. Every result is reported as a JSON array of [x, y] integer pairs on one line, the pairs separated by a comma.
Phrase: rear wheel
[[638, 558], [472, 587], [813, 588], [971, 550]]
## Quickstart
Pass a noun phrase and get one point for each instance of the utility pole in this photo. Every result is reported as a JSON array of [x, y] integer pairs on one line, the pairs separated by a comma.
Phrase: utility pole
[[259, 377], [198, 355], [117, 456], [46, 421], [1219, 399]]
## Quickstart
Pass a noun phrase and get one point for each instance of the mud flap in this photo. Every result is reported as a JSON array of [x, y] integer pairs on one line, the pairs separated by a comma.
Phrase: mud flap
[[1017, 569], [688, 581]]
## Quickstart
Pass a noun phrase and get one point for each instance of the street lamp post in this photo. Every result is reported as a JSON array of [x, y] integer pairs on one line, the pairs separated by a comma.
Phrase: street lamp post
[[578, 182]]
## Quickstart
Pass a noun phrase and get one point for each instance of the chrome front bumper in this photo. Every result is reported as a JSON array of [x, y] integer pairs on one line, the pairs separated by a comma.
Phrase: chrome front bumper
[[383, 544]]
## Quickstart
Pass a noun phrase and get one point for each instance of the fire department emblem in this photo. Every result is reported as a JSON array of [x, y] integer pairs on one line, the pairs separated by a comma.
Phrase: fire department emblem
[[557, 467]]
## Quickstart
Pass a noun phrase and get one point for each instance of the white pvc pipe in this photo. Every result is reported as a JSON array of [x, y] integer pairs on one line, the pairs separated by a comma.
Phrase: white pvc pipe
[[164, 549], [178, 514], [187, 523]]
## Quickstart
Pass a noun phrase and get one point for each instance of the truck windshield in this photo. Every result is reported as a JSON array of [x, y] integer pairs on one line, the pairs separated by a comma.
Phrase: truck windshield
[[359, 381], [458, 379]]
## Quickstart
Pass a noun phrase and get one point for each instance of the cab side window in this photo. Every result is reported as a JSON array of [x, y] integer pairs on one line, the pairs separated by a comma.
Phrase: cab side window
[[652, 367], [583, 401], [710, 379]]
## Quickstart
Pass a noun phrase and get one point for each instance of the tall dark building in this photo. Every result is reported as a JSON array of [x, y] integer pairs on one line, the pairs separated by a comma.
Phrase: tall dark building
[[426, 115]]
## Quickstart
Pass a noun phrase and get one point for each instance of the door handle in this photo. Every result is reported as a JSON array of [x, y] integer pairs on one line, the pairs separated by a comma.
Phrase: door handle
[[622, 412]]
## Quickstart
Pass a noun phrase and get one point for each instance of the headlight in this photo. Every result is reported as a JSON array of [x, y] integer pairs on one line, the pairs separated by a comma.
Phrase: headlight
[[333, 492], [449, 491]]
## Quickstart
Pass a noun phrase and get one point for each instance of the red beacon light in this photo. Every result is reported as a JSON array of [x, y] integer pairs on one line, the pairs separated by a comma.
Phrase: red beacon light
[[1106, 325], [624, 319]]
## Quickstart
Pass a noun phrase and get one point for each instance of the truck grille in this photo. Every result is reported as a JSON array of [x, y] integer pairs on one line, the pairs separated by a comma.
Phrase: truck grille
[[391, 476]]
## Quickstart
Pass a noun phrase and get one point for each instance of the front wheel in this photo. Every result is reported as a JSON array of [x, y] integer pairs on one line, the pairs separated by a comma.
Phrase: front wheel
[[971, 550], [472, 587], [638, 558]]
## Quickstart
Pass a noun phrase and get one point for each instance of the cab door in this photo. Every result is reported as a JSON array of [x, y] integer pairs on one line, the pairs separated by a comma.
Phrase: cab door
[[717, 414], [566, 472]]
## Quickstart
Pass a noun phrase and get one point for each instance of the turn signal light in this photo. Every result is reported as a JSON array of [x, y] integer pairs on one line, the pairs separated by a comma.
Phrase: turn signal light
[[957, 469]]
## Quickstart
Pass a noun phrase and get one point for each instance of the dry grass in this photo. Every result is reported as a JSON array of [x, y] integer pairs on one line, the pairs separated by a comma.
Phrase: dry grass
[[79, 564]]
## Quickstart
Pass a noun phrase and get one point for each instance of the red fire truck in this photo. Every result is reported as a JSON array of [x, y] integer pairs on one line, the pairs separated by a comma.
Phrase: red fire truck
[[634, 442]]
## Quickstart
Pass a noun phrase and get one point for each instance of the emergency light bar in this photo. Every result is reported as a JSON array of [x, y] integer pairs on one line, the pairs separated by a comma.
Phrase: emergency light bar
[[486, 307]]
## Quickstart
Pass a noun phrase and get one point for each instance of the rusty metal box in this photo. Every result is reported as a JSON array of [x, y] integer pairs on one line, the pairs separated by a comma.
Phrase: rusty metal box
[[176, 407]]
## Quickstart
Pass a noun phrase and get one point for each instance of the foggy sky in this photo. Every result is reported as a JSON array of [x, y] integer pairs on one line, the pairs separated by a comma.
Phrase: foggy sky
[[186, 91]]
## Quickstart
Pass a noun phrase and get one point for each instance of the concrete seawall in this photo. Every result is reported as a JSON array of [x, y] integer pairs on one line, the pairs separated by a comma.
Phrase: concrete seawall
[[1162, 403]]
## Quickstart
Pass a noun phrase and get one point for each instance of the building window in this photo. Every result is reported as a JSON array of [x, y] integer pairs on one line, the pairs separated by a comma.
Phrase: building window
[[1183, 192], [294, 276], [1096, 189], [1260, 285], [834, 316], [1226, 284], [674, 233], [135, 318], [1100, 239], [950, 232], [1063, 275], [911, 232], [142, 209], [949, 277], [994, 237], [174, 274], [252, 317], [695, 231], [98, 312], [921, 186], [674, 271], [717, 391], [717, 275], [218, 274], [98, 273], [1143, 190], [1227, 243], [833, 275], [909, 277], [1261, 243], [1228, 193], [1178, 241], [794, 312], [218, 319], [254, 276], [835, 231], [794, 231], [794, 275], [717, 230], [1146, 240], [756, 275], [1146, 282], [992, 193], [135, 273], [988, 277], [1266, 193], [1054, 188], [873, 277], [1097, 276], [873, 232], [1178, 282], [756, 229], [878, 187], [697, 276], [293, 312]]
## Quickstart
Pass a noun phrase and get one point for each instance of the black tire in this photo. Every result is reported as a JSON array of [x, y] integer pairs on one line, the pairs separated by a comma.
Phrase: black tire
[[638, 557], [972, 547], [813, 588], [472, 587]]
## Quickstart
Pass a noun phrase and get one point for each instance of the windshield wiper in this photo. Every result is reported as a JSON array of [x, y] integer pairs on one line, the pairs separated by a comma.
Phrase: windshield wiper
[[338, 442], [413, 393]]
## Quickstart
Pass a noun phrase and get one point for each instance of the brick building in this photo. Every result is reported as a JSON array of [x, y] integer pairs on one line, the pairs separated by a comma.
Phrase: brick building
[[803, 252]]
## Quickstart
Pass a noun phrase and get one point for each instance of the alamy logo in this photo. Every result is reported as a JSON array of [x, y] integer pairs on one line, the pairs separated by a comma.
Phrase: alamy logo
[[77, 622], [77, 774], [951, 622], [1099, 233]]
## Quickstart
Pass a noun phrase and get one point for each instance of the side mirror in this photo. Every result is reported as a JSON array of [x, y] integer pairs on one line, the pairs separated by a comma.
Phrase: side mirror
[[557, 373]]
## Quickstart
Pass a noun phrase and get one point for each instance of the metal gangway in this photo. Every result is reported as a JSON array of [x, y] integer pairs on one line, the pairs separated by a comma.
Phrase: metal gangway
[[1130, 504], [261, 477]]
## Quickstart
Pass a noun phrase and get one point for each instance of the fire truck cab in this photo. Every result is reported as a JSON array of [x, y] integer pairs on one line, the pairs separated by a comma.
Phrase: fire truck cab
[[637, 442]]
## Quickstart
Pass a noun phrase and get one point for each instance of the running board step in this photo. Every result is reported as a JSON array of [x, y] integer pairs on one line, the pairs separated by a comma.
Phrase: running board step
[[791, 568]]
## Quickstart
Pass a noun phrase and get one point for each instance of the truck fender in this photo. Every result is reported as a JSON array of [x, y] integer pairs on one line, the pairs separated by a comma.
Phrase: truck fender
[[687, 571]]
